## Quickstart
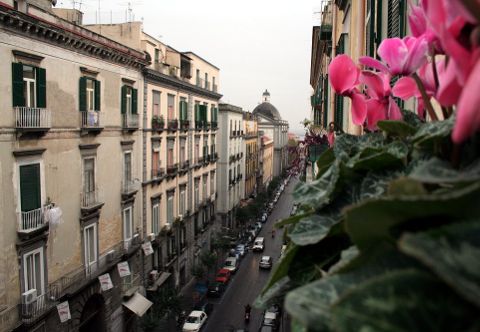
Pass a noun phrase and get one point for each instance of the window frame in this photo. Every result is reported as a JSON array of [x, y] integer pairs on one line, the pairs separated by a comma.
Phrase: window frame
[[124, 220], [85, 229], [41, 251]]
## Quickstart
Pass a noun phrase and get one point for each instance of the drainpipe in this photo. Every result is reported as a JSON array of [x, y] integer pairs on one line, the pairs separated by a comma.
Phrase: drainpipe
[[358, 130], [144, 175]]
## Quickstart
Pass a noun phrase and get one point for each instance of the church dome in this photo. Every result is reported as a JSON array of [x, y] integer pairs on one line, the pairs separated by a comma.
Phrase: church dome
[[267, 109]]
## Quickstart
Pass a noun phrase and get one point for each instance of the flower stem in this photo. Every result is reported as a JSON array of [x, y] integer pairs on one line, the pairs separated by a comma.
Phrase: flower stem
[[425, 97], [435, 78]]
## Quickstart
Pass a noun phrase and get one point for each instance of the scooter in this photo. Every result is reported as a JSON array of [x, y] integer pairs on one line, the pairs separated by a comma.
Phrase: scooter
[[247, 317]]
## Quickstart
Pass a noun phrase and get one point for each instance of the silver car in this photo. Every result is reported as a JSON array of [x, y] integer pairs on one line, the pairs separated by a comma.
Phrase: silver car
[[265, 262]]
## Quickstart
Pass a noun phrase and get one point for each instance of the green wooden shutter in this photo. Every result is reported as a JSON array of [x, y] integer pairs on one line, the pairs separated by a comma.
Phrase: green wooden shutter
[[370, 28], [30, 194], [124, 99], [18, 98], [134, 101], [41, 80], [82, 94], [97, 95], [197, 112]]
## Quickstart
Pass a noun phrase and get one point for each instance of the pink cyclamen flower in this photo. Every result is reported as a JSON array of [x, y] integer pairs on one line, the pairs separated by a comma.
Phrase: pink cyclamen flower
[[343, 75], [381, 105], [468, 114], [400, 56]]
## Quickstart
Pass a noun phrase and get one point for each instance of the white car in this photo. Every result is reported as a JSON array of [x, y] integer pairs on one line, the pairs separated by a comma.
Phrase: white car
[[265, 262], [231, 264], [194, 321]]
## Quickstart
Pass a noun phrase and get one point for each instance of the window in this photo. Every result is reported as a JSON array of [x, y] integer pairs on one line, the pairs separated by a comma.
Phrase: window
[[127, 167], [196, 192], [170, 155], [197, 149], [183, 142], [205, 146], [89, 180], [170, 207], [206, 81], [157, 55], [198, 76], [183, 109], [156, 163], [182, 201], [90, 246], [30, 190], [171, 107], [28, 85], [156, 217], [127, 224], [129, 100], [33, 270], [212, 183], [204, 188], [183, 236], [156, 103]]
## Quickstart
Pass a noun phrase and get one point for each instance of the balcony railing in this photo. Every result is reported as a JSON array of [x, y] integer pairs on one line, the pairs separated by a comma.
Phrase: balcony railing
[[172, 124], [214, 87], [199, 125], [158, 123], [29, 221], [128, 186], [89, 198], [214, 125], [207, 85], [90, 120], [184, 124], [130, 121], [130, 282], [206, 126], [158, 173], [172, 169], [32, 118], [185, 164], [200, 82], [31, 311]]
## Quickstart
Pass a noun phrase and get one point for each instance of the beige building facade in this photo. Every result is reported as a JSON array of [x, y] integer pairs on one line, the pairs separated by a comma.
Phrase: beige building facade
[[71, 157], [266, 161], [179, 140], [251, 143]]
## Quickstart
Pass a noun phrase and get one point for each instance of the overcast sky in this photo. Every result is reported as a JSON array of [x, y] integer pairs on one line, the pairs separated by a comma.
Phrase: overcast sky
[[257, 44]]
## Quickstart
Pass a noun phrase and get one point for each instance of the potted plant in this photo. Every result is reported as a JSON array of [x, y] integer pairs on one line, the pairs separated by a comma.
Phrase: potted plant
[[158, 122]]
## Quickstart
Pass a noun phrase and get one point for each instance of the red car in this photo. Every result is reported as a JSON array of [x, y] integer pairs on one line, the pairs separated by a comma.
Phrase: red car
[[223, 276]]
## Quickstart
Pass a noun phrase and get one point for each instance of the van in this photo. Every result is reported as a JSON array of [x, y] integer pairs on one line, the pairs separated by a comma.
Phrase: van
[[259, 244]]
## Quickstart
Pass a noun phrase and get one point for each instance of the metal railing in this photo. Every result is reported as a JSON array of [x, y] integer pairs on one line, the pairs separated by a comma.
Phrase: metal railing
[[171, 169], [89, 198], [31, 311], [207, 85], [32, 118], [128, 186], [172, 124], [130, 120], [29, 221], [200, 82], [158, 172], [129, 282], [90, 119], [214, 87], [184, 124]]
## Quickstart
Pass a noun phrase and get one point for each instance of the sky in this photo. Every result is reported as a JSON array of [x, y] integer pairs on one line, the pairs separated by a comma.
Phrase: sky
[[257, 44]]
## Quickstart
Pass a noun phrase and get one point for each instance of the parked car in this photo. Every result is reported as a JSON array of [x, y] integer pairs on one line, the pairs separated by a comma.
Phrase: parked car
[[271, 319], [194, 321], [204, 306], [264, 217], [233, 253], [241, 249], [266, 328], [216, 288], [265, 262], [276, 309], [231, 264], [282, 251], [223, 276], [294, 209], [259, 244], [258, 225]]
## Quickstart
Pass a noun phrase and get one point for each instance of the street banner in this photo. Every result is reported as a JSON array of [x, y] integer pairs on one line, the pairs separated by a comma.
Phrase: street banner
[[64, 311], [147, 248], [123, 269], [105, 282]]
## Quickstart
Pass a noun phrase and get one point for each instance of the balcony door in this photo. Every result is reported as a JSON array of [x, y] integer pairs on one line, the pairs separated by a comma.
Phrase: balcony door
[[30, 192], [90, 248], [89, 181], [29, 86], [33, 270]]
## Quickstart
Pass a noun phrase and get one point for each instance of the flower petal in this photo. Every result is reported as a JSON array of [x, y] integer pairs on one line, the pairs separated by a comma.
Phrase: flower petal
[[359, 108], [420, 108], [393, 110], [373, 63], [394, 52], [417, 54], [376, 111], [343, 74], [468, 113], [449, 89], [374, 83], [417, 20], [406, 88]]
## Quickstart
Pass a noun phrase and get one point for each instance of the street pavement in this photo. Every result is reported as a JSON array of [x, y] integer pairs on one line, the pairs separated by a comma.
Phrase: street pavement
[[249, 280]]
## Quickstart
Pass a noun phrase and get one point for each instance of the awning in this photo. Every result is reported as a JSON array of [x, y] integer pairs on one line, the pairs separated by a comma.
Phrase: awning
[[138, 304]]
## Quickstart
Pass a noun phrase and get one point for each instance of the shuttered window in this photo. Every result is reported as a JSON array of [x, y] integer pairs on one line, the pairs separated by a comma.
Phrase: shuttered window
[[129, 100], [29, 86], [203, 113], [197, 113], [89, 94], [30, 194], [396, 18], [183, 110]]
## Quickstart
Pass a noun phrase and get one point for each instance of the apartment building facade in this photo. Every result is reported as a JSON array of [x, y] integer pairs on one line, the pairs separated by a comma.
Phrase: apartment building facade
[[231, 165], [180, 154], [355, 28], [70, 231], [251, 148], [266, 161]]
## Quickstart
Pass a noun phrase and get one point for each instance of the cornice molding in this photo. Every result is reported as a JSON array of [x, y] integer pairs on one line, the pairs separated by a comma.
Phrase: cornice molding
[[157, 77], [75, 40]]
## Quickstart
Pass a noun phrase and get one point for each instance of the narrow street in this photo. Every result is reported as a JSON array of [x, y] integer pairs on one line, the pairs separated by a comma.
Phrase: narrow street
[[249, 280]]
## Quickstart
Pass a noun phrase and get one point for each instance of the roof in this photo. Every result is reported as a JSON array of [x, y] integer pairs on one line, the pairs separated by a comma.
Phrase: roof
[[268, 110], [198, 56]]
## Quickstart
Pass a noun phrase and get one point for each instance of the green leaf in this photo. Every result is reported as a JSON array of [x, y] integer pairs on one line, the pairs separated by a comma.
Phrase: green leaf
[[296, 326], [379, 158], [453, 253], [346, 257], [433, 131], [404, 301], [325, 160], [397, 128], [405, 186], [383, 218], [375, 184], [291, 220], [312, 229], [311, 304], [412, 118], [439, 171], [348, 145], [318, 193], [273, 294]]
